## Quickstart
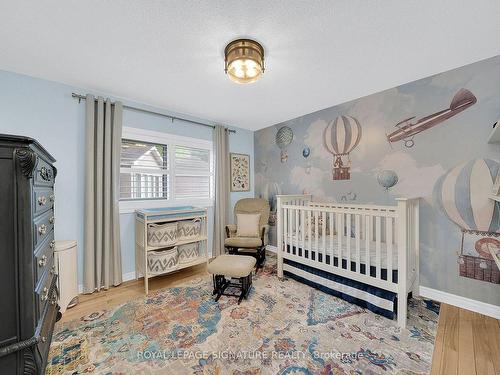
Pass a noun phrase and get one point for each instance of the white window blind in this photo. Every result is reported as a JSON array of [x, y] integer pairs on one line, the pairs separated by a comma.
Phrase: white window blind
[[192, 172], [172, 170]]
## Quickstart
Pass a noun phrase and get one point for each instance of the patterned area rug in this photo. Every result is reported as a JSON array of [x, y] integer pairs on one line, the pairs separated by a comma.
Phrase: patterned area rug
[[283, 328]]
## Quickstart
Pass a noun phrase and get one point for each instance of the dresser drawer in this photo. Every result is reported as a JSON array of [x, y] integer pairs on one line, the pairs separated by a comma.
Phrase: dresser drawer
[[44, 257], [43, 225], [43, 291], [43, 199], [46, 324], [44, 174]]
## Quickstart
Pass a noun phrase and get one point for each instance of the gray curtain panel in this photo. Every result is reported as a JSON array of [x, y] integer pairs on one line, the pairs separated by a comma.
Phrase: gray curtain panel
[[102, 264], [222, 204]]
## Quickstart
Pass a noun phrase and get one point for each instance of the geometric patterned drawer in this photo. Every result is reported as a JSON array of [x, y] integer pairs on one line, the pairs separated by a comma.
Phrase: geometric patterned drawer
[[162, 261], [188, 252]]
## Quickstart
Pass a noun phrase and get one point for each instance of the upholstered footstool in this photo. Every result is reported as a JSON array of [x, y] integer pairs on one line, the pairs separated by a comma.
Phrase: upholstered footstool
[[238, 267]]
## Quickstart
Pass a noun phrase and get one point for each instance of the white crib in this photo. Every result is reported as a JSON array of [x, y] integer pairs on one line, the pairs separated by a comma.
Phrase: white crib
[[378, 239]]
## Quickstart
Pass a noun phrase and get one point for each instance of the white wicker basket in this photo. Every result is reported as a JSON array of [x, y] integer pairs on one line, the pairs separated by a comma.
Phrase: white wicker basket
[[162, 261], [188, 252], [161, 235], [188, 229]]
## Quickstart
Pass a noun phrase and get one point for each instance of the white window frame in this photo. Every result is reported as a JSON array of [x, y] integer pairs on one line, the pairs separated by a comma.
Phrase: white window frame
[[170, 140]]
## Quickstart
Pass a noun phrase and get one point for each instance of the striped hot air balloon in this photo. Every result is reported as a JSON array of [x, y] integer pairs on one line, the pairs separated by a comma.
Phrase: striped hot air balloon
[[340, 137], [463, 191], [284, 137]]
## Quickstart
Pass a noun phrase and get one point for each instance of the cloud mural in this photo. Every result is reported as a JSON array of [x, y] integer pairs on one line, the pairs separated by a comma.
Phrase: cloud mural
[[413, 180], [438, 149], [309, 183]]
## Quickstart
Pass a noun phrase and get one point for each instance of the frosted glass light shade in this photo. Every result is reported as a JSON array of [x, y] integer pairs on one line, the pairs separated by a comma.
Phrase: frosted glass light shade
[[244, 60]]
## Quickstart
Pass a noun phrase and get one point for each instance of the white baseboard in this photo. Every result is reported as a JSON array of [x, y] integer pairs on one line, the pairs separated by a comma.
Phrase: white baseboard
[[271, 248], [125, 277], [462, 302]]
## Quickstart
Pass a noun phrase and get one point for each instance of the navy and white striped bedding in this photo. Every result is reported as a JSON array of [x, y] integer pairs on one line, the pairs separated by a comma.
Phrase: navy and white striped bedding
[[375, 299]]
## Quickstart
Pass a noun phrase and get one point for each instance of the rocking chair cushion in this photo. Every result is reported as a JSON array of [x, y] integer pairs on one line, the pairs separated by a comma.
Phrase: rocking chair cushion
[[247, 225], [232, 265], [246, 242]]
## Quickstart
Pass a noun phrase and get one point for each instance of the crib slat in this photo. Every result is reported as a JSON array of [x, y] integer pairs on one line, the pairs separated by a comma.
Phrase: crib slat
[[290, 229], [285, 233], [323, 231], [339, 240], [303, 230], [316, 234], [357, 224], [368, 238], [377, 245], [309, 230], [331, 237], [348, 239], [297, 227], [388, 241]]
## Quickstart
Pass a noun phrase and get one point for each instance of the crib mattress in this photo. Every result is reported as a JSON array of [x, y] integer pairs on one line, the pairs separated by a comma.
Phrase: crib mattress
[[335, 250]]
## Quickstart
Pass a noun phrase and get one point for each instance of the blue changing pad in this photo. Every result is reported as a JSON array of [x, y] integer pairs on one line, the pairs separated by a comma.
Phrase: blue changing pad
[[159, 213]]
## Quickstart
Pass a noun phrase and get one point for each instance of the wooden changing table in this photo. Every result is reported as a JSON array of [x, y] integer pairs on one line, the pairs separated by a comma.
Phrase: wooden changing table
[[145, 217]]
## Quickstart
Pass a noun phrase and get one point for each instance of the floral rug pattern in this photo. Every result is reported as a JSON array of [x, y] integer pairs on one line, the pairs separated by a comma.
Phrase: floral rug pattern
[[283, 328]]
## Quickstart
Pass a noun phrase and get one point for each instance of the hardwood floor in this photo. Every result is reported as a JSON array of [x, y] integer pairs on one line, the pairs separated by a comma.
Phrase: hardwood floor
[[467, 343]]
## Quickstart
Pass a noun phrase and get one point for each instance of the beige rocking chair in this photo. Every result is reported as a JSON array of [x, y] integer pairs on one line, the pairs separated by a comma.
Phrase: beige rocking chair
[[256, 245]]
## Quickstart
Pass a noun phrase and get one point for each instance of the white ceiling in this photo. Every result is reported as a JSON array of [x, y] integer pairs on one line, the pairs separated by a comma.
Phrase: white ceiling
[[170, 53]]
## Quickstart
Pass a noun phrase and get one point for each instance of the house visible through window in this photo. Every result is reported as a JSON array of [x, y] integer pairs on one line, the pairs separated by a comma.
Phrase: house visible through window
[[144, 170], [174, 169]]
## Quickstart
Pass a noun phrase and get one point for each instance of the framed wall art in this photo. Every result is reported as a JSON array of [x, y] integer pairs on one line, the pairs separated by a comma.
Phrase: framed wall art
[[240, 172]]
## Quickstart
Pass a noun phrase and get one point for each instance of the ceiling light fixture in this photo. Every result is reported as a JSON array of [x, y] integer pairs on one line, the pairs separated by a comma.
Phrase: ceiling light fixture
[[244, 60]]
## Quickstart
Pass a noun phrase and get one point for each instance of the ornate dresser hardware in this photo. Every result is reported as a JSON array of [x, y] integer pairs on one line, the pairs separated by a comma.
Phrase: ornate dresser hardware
[[28, 280], [46, 174], [42, 262]]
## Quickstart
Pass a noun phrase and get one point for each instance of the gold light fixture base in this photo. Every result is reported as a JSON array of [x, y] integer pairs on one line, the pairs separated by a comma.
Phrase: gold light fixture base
[[244, 60]]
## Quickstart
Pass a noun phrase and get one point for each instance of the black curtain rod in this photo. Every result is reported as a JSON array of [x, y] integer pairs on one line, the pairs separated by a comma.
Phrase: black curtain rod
[[83, 97]]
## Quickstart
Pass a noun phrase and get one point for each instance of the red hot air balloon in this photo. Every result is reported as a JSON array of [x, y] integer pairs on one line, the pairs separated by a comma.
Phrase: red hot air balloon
[[340, 137]]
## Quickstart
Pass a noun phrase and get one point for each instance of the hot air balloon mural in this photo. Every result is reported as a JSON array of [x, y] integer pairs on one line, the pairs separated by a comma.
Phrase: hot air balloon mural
[[463, 195], [271, 190], [387, 179], [340, 137], [284, 137], [305, 153]]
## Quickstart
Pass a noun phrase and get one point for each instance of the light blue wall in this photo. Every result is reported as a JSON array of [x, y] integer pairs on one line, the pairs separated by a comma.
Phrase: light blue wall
[[45, 110]]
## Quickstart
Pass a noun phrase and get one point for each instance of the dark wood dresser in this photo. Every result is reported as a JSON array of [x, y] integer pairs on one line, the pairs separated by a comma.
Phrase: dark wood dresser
[[28, 302]]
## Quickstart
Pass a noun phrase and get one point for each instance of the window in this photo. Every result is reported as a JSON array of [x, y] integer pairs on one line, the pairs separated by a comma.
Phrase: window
[[144, 170], [158, 166]]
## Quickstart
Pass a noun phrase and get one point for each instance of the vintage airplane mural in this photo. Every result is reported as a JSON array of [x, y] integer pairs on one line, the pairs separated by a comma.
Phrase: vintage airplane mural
[[406, 130]]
